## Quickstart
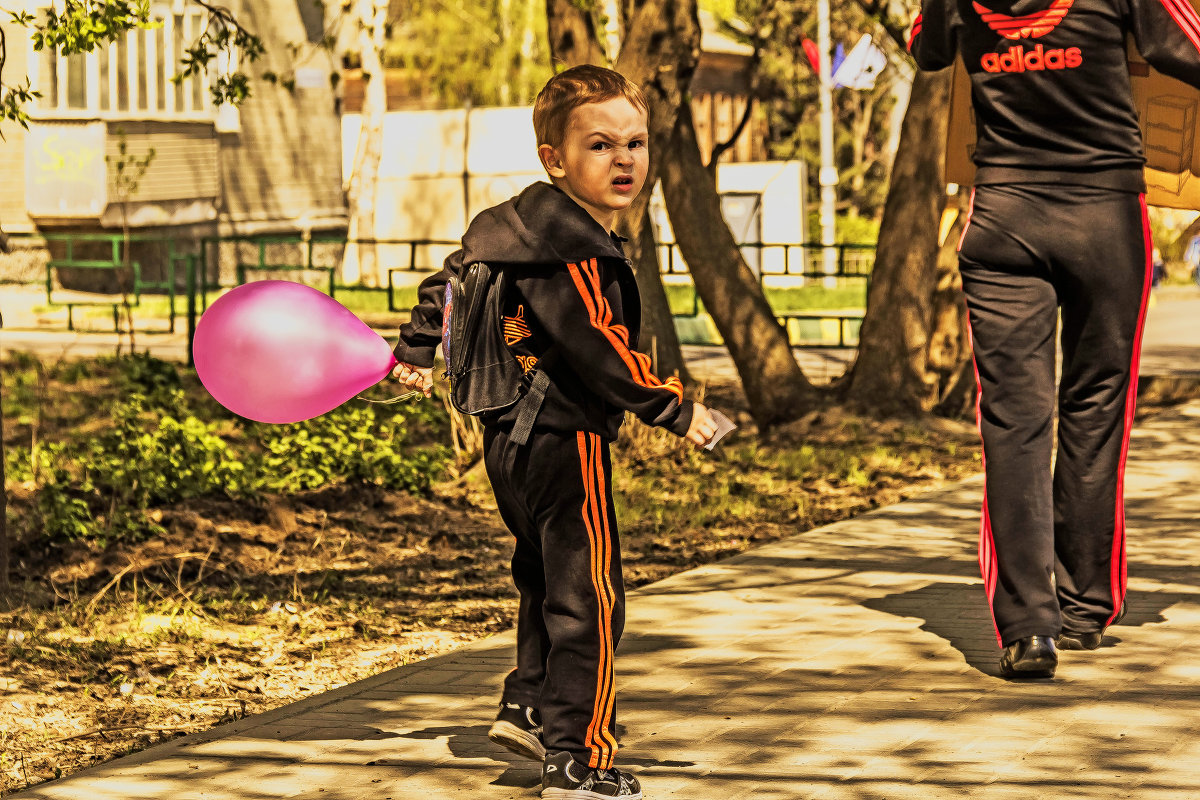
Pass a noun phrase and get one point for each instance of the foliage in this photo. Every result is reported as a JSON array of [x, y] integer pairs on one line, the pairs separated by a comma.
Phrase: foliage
[[222, 34], [160, 445], [788, 90], [79, 26], [351, 443], [154, 381], [849, 228], [1167, 228], [128, 169], [60, 509], [143, 462], [482, 52]]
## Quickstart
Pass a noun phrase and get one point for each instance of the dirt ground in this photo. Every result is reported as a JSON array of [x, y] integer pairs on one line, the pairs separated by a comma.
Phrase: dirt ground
[[245, 606]]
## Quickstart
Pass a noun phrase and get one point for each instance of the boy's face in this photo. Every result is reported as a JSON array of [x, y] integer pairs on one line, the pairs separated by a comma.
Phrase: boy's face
[[602, 161]]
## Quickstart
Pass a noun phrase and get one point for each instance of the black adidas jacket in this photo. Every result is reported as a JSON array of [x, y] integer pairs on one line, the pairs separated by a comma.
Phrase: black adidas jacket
[[1050, 83], [572, 289]]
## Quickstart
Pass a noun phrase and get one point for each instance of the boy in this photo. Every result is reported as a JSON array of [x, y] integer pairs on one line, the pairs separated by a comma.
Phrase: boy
[[1058, 220], [571, 299]]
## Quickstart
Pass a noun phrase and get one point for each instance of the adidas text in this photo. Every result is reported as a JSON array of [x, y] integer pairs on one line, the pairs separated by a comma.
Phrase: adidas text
[[1018, 59]]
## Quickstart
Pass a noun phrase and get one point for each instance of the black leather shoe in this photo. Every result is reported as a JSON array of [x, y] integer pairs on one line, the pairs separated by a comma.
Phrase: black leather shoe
[[1030, 657], [1070, 640]]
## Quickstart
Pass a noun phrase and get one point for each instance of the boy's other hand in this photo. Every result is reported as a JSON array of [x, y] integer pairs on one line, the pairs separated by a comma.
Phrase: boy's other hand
[[703, 426], [414, 378]]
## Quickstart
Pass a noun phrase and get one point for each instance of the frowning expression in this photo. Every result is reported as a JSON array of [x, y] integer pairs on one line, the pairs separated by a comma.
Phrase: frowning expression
[[603, 160]]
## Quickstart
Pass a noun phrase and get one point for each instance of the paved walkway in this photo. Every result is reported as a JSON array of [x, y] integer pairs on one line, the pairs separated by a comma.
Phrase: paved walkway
[[852, 661]]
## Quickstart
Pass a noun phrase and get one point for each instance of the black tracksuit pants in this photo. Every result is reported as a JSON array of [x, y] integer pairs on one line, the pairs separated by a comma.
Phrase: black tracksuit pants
[[554, 494], [1052, 543]]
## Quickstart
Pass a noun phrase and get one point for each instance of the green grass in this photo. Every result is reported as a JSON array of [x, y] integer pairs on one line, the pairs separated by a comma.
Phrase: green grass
[[361, 301], [851, 296]]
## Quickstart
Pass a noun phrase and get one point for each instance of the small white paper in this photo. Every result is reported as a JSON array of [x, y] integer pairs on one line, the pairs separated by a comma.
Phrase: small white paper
[[724, 426]]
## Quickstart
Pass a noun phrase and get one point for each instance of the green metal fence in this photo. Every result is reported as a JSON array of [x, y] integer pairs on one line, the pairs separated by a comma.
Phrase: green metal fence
[[125, 269]]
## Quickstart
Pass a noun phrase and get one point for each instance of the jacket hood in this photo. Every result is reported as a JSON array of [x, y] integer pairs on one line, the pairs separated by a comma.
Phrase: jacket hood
[[541, 225]]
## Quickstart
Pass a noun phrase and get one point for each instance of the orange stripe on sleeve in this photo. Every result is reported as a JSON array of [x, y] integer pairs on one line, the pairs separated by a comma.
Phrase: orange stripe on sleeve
[[600, 315]]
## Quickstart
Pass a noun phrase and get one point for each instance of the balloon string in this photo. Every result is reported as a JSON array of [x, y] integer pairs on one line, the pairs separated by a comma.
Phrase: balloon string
[[392, 400]]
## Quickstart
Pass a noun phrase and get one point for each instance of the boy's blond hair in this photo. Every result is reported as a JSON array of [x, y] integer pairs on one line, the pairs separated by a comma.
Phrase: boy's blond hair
[[575, 87]]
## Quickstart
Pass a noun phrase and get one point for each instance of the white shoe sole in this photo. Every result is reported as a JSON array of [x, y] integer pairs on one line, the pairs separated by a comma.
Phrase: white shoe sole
[[523, 743], [582, 794]]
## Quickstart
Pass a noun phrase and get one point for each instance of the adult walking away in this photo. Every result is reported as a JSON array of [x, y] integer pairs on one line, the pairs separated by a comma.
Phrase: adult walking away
[[1057, 220]]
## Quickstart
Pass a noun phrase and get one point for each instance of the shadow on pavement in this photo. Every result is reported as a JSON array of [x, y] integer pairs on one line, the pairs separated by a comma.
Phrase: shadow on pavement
[[958, 613]]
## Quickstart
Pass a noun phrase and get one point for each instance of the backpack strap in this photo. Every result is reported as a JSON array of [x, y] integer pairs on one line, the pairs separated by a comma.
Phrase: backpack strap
[[529, 405]]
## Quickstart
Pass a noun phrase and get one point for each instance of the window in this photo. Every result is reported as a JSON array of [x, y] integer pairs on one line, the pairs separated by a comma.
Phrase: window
[[128, 77]]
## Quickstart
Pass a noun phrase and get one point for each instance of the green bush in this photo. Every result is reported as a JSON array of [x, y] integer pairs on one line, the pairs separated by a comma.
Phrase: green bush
[[156, 381], [100, 486], [143, 461], [61, 511], [349, 444]]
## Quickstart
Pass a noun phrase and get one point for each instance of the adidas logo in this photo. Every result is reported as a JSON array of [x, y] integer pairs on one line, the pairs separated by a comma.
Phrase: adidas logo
[[1018, 59]]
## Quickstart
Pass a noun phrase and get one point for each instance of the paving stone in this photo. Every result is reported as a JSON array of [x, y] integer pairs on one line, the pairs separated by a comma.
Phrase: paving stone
[[852, 662]]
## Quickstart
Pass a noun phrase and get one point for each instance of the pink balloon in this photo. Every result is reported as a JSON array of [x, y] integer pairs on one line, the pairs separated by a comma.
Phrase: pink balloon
[[279, 351]]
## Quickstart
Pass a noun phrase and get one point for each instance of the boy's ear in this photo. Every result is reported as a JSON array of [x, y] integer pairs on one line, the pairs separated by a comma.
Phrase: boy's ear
[[551, 161]]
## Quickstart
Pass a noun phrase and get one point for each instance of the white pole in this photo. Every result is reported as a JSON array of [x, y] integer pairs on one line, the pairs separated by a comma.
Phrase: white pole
[[828, 177]]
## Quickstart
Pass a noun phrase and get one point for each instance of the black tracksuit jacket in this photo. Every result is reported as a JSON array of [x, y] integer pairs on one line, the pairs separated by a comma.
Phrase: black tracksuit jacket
[[572, 289], [1050, 82]]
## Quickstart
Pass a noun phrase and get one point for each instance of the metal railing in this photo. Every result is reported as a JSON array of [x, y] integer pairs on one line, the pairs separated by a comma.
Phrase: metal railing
[[801, 265], [804, 263]]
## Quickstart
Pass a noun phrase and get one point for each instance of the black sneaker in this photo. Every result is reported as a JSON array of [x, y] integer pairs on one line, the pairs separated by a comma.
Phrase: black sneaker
[[564, 778], [1073, 640], [519, 728]]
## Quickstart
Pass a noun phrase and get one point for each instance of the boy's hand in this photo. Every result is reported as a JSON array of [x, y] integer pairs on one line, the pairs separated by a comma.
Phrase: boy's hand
[[414, 378], [702, 428]]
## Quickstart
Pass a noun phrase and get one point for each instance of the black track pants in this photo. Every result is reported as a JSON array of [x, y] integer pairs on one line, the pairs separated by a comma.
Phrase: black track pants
[[1052, 545], [554, 494]]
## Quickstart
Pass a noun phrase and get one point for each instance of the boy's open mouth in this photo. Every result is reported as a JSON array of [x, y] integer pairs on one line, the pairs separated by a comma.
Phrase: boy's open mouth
[[623, 180]]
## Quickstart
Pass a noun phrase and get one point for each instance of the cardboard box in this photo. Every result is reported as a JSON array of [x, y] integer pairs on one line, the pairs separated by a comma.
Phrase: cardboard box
[[1169, 112]]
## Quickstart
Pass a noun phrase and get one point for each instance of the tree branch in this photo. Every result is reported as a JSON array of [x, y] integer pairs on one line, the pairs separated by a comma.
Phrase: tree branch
[[719, 149], [757, 41]]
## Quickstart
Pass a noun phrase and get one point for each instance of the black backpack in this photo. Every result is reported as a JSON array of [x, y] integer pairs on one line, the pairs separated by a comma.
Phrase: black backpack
[[486, 380]]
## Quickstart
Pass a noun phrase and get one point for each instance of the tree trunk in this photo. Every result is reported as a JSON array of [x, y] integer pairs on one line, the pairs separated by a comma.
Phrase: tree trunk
[[4, 547], [572, 34], [892, 374], [950, 341], [771, 379], [672, 57], [363, 181], [657, 337], [659, 53]]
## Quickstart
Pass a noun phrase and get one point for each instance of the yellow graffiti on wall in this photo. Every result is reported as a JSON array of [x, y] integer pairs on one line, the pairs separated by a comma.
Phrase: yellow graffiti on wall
[[69, 161]]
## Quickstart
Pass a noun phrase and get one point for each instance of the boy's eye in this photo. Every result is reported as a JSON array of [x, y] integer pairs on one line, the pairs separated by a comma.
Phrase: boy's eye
[[599, 146], [636, 143]]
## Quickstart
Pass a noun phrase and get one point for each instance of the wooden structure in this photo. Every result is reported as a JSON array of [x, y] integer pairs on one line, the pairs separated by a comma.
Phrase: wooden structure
[[272, 165]]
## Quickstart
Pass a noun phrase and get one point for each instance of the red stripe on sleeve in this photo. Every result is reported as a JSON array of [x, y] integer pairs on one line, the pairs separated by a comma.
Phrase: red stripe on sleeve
[[1186, 18]]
